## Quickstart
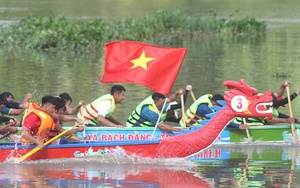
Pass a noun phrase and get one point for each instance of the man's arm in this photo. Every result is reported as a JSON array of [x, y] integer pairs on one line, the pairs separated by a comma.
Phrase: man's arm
[[281, 90], [168, 128], [4, 127], [74, 110], [4, 119], [66, 118], [178, 105], [115, 121], [24, 103], [16, 112], [25, 133], [59, 128], [11, 111], [281, 120], [104, 108], [107, 122], [12, 104], [175, 95], [151, 116]]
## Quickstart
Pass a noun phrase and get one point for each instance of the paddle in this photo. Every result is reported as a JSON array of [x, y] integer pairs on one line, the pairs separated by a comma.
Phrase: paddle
[[291, 115], [84, 131], [247, 130], [182, 106], [5, 135], [34, 150], [294, 159], [193, 96], [182, 110]]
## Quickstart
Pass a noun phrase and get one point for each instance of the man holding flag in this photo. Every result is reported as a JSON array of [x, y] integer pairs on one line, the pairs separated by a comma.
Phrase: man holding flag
[[152, 66], [147, 112]]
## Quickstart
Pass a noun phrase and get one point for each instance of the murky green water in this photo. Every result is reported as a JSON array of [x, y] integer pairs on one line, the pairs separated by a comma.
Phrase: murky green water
[[257, 165], [264, 62]]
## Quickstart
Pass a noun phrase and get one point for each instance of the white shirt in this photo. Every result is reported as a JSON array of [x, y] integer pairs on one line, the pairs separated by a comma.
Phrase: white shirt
[[104, 107]]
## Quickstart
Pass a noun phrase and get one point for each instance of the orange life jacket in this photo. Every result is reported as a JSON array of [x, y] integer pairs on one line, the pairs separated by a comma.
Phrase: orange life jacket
[[47, 127], [31, 106]]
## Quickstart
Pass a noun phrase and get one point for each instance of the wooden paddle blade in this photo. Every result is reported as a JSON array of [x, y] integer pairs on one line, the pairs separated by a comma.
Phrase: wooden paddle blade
[[28, 154], [46, 143], [295, 136], [193, 96]]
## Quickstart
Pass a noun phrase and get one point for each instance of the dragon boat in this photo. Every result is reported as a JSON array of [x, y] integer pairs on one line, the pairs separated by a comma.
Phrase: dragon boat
[[241, 101]]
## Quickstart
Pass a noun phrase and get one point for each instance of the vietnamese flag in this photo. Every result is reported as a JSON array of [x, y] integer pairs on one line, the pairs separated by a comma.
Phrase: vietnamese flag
[[140, 63]]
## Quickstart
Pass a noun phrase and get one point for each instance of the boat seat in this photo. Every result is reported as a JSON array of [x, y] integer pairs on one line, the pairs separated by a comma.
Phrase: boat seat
[[216, 108], [196, 127], [203, 122], [222, 103], [211, 115]]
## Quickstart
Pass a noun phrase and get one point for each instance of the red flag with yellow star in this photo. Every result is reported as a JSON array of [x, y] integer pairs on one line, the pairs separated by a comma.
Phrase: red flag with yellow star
[[140, 63]]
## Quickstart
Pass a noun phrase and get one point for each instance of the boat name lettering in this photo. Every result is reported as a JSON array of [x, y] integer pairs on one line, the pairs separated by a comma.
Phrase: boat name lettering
[[120, 137], [93, 136], [112, 137], [165, 135], [138, 136], [210, 153]]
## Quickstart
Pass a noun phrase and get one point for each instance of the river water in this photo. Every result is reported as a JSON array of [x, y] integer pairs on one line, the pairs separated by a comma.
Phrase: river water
[[264, 62]]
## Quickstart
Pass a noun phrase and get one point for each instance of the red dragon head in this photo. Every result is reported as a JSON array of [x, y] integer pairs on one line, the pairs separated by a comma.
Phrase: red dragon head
[[246, 102]]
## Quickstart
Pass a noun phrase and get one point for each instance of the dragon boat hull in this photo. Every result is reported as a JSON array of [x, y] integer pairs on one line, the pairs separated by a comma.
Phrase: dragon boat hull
[[137, 141], [10, 152]]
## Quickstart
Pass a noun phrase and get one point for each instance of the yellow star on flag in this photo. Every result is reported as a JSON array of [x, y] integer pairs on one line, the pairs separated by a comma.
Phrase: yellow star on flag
[[141, 61]]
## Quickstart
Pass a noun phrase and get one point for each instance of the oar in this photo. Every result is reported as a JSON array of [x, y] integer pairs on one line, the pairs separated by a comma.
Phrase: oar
[[193, 96], [84, 131], [182, 107], [182, 110], [295, 154], [5, 135], [34, 150], [291, 115], [245, 170], [247, 131]]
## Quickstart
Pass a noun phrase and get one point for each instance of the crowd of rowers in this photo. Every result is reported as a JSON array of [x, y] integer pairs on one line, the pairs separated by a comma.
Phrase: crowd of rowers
[[40, 122]]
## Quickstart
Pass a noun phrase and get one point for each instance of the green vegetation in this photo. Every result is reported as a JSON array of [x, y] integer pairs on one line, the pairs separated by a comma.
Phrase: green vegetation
[[161, 28]]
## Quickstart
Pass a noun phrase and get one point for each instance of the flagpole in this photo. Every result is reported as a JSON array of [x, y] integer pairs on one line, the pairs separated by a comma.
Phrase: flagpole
[[158, 119]]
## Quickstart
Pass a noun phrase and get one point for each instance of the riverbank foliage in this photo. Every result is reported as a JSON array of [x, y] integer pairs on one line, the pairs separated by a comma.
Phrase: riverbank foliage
[[161, 28]]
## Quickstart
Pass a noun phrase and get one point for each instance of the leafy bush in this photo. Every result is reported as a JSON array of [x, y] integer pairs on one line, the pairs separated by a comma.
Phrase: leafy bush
[[161, 27]]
